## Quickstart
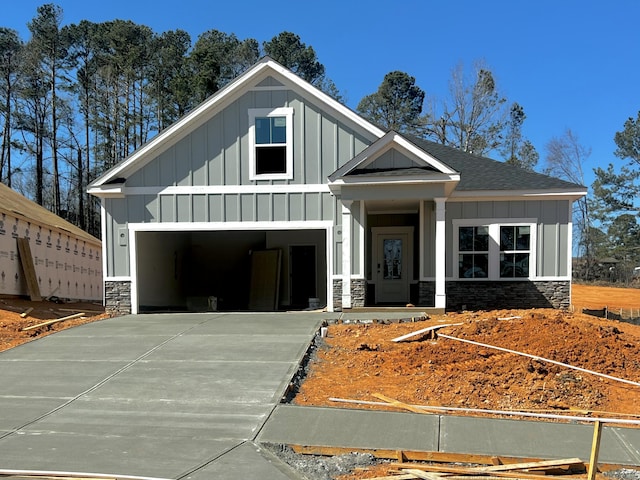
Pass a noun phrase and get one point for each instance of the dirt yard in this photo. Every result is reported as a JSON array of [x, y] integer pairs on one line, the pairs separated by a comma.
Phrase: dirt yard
[[12, 322], [358, 361]]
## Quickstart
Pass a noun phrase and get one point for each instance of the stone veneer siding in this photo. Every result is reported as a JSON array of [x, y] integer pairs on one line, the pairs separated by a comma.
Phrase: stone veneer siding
[[490, 295], [117, 297], [358, 293]]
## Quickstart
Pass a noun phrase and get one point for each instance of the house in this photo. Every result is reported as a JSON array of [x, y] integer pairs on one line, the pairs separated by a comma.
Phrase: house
[[357, 216], [67, 261]]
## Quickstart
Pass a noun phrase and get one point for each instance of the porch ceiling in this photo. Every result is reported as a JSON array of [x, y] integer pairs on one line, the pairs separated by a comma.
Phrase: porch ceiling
[[392, 206]]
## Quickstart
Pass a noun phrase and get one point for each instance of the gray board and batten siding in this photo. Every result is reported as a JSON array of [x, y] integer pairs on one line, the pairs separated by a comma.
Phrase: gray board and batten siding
[[216, 154], [552, 235]]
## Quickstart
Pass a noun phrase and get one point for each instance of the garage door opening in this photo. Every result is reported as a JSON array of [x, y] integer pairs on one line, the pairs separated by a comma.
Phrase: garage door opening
[[211, 270]]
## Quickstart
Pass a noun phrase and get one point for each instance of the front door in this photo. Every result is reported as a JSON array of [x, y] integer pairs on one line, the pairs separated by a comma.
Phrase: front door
[[392, 264]]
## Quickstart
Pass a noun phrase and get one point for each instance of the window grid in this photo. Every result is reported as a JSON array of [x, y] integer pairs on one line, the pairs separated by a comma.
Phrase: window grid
[[493, 251]]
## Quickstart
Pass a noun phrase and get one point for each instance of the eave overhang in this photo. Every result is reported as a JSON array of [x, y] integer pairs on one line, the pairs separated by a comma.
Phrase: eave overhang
[[506, 195]]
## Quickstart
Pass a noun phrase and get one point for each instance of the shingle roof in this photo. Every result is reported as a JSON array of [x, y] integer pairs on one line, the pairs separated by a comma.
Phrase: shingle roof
[[482, 173]]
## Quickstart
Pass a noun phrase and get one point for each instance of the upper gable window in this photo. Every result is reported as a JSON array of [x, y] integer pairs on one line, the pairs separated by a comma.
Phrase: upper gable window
[[270, 143]]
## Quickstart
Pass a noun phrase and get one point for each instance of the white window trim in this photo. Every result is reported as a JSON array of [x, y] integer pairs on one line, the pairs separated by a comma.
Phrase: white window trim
[[494, 225], [254, 113]]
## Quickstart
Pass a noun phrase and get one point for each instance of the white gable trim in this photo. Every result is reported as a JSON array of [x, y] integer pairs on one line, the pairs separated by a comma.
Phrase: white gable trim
[[387, 142], [221, 99]]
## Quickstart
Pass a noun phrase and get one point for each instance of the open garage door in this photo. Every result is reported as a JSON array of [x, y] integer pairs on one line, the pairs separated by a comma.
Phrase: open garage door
[[212, 270]]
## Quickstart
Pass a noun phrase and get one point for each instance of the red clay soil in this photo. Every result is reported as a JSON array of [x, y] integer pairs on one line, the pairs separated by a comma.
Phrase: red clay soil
[[12, 323], [358, 361]]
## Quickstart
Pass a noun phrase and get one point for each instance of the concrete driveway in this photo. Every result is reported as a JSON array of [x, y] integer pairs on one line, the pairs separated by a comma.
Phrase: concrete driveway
[[165, 396]]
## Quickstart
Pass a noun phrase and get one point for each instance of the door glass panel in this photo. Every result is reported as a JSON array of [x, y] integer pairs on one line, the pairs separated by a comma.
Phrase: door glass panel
[[392, 248]]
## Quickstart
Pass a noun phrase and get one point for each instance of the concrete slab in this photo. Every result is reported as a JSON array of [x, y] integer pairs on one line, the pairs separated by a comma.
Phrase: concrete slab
[[538, 439], [149, 395], [246, 461], [338, 427], [367, 429]]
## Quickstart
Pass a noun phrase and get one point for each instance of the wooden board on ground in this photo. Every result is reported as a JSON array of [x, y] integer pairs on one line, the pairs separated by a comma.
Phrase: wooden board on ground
[[51, 322], [29, 269], [430, 329], [545, 464]]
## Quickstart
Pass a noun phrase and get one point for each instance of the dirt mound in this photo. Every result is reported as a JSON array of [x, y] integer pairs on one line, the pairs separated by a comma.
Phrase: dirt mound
[[357, 361]]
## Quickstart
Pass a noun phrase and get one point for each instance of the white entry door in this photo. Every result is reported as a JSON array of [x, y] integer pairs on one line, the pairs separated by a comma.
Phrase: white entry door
[[392, 264]]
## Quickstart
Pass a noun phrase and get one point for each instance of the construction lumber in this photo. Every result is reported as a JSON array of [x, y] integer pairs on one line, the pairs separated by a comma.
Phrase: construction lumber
[[50, 322], [542, 359], [406, 476], [545, 464], [422, 474], [29, 269], [466, 471], [410, 455], [74, 475], [432, 328], [26, 312], [397, 403], [595, 450]]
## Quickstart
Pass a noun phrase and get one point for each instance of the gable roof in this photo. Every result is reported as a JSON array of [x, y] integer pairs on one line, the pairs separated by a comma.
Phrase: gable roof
[[485, 174], [392, 140], [14, 204], [251, 78]]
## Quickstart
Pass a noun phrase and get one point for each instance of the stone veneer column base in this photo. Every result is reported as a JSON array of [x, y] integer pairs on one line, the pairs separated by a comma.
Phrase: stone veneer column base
[[117, 297], [358, 293]]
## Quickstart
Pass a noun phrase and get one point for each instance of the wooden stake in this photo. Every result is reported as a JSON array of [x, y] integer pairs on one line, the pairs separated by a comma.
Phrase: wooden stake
[[595, 450], [44, 324], [26, 312]]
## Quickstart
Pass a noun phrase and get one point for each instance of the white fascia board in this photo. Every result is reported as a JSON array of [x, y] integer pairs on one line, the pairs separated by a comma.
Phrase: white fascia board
[[383, 145], [502, 195], [220, 100]]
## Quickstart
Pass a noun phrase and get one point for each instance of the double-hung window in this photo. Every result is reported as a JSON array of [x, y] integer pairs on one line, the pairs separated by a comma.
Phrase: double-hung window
[[515, 251], [473, 245], [270, 143], [494, 249]]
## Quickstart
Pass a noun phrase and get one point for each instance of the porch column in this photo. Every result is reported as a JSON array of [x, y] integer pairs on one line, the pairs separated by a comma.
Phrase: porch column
[[346, 253], [441, 297]]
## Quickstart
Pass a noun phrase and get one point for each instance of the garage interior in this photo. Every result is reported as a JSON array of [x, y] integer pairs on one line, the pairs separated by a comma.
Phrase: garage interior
[[222, 271]]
